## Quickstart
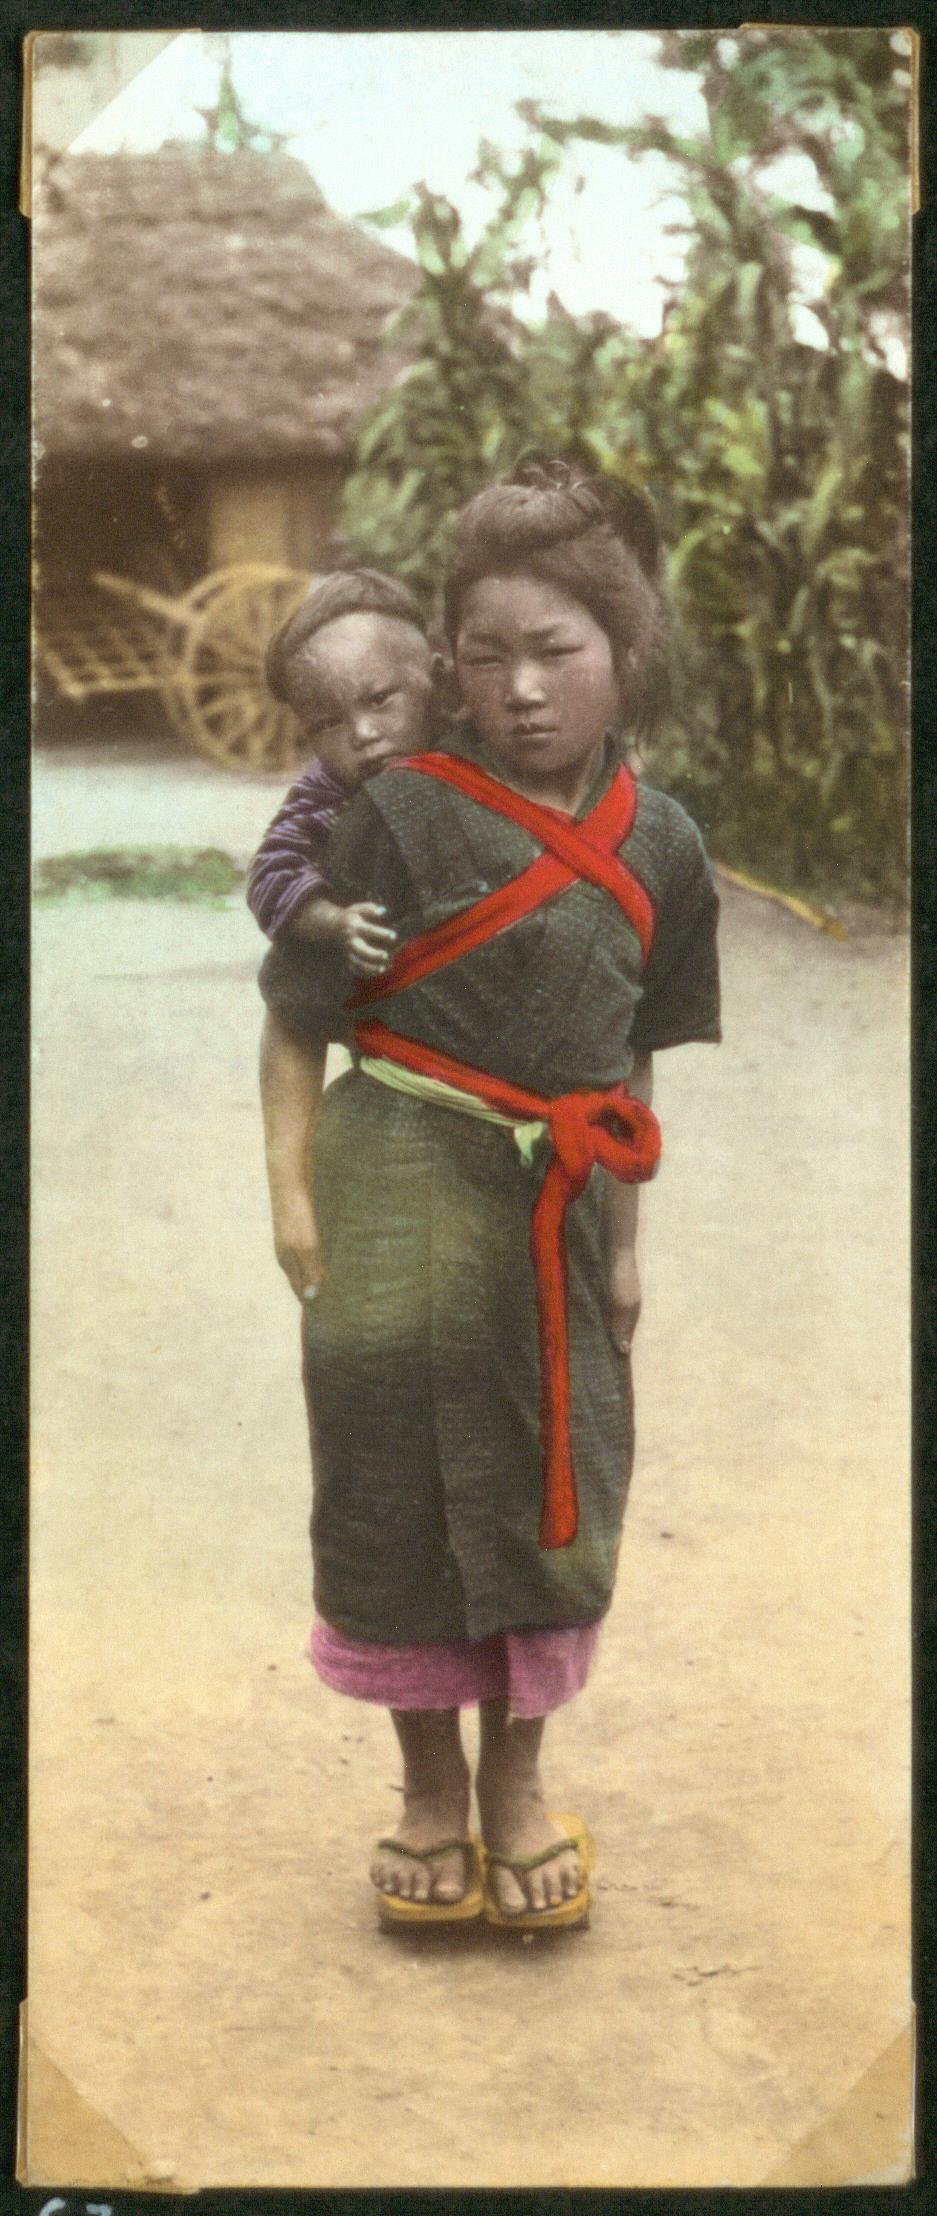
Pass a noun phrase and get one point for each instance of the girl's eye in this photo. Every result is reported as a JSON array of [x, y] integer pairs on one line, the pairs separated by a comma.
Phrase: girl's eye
[[380, 699]]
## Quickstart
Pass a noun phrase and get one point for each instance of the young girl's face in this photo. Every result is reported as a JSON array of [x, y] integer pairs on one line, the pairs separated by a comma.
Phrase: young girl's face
[[536, 673], [362, 688]]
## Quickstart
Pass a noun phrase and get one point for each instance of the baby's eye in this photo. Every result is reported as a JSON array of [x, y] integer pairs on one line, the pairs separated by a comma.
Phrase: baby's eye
[[380, 699]]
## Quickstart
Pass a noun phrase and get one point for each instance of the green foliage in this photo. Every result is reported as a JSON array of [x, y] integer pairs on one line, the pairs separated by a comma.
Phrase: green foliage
[[230, 130], [780, 468], [458, 415], [202, 874]]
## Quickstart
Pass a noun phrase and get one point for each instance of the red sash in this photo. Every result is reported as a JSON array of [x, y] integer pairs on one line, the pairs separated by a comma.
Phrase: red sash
[[587, 849], [609, 1126]]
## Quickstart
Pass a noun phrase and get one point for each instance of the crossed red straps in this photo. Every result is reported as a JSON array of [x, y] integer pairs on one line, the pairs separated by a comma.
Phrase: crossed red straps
[[584, 849], [609, 1127]]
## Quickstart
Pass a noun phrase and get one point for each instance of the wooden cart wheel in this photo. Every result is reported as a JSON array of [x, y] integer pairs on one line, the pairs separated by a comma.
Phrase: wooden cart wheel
[[217, 695]]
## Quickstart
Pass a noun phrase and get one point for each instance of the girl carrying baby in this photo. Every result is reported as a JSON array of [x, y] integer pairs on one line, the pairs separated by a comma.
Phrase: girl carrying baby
[[474, 1180]]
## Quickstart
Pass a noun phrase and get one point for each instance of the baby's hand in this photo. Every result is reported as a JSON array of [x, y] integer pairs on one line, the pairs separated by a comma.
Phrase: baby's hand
[[368, 942]]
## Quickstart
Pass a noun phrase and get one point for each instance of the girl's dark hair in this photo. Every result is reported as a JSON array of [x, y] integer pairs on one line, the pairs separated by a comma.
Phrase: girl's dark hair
[[596, 540], [342, 592]]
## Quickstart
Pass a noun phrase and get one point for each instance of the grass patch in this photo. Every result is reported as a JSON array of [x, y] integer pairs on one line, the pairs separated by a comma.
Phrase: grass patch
[[202, 874]]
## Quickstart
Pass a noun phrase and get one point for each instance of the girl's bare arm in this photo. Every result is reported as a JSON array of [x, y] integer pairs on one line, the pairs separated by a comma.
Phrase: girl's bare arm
[[621, 1230], [292, 1080]]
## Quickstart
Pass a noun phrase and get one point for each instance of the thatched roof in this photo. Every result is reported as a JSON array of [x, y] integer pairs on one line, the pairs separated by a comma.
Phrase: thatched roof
[[204, 306]]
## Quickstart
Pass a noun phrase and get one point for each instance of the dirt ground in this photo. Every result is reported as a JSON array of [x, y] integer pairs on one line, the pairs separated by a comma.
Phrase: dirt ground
[[210, 2000]]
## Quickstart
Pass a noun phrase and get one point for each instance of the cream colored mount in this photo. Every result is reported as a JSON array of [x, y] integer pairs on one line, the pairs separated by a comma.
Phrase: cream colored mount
[[59, 101]]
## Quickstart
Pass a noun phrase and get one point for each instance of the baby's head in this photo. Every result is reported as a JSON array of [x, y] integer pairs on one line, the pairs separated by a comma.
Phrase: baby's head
[[354, 664], [577, 554]]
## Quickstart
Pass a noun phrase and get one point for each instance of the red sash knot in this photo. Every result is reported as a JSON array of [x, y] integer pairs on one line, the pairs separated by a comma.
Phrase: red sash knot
[[624, 1136], [608, 1127]]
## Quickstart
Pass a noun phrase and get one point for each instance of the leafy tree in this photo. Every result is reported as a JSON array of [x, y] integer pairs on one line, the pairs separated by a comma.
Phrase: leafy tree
[[780, 467], [457, 416], [230, 129]]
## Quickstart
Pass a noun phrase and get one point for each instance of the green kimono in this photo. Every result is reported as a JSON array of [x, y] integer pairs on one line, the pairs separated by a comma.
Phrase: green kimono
[[421, 1356]]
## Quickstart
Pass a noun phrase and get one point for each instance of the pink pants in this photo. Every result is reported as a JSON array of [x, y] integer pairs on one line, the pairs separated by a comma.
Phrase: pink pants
[[536, 1671]]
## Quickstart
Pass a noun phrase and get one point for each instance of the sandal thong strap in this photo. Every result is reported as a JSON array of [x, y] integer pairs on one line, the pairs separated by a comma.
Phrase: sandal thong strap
[[425, 1854], [519, 1865]]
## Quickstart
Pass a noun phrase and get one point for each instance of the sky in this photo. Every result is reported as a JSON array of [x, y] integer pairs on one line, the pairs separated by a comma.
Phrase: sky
[[372, 113]]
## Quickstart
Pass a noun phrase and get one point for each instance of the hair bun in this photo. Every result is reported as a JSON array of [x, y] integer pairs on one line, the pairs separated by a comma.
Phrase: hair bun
[[579, 490], [563, 500], [598, 499], [550, 471], [633, 518], [542, 503]]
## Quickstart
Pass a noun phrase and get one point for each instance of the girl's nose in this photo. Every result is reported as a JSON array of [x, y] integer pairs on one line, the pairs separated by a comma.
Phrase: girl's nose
[[525, 683]]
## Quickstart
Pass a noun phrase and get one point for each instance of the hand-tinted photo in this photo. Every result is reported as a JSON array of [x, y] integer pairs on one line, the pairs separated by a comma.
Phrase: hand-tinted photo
[[470, 1727]]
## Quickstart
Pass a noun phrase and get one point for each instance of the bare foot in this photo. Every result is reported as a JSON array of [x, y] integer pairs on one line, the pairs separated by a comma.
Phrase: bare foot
[[436, 1809], [514, 1817]]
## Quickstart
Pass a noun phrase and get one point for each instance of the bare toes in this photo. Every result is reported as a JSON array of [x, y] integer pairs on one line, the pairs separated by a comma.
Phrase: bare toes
[[450, 1883], [511, 1896], [408, 1878], [541, 1887], [553, 1885]]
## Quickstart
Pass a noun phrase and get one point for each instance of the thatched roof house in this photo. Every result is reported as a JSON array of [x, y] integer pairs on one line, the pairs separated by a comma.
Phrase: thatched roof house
[[207, 335], [211, 304]]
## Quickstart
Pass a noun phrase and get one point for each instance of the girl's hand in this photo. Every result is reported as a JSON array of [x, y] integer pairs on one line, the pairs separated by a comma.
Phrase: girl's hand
[[296, 1244], [624, 1299], [368, 941]]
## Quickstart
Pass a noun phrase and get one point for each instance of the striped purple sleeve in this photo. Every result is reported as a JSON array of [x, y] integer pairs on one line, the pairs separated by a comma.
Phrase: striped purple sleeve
[[287, 868]]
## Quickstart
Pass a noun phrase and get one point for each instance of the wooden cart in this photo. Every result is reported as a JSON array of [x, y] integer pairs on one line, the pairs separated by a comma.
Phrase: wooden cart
[[202, 652]]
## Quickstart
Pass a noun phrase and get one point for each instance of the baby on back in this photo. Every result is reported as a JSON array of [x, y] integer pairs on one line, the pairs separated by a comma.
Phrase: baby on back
[[355, 665]]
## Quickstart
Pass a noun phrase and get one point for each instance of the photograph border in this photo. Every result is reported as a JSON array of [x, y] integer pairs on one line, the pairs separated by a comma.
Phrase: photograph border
[[13, 998]]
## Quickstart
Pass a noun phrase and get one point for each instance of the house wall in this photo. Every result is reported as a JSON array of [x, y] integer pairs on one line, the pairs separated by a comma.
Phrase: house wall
[[163, 526], [270, 516], [167, 525], [137, 520]]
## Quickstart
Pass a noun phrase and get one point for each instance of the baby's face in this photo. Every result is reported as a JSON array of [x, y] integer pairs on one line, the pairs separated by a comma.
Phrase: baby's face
[[362, 688]]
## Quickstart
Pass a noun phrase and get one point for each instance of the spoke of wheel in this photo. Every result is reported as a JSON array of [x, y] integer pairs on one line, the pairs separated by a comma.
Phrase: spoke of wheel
[[236, 723], [228, 712], [214, 723]]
